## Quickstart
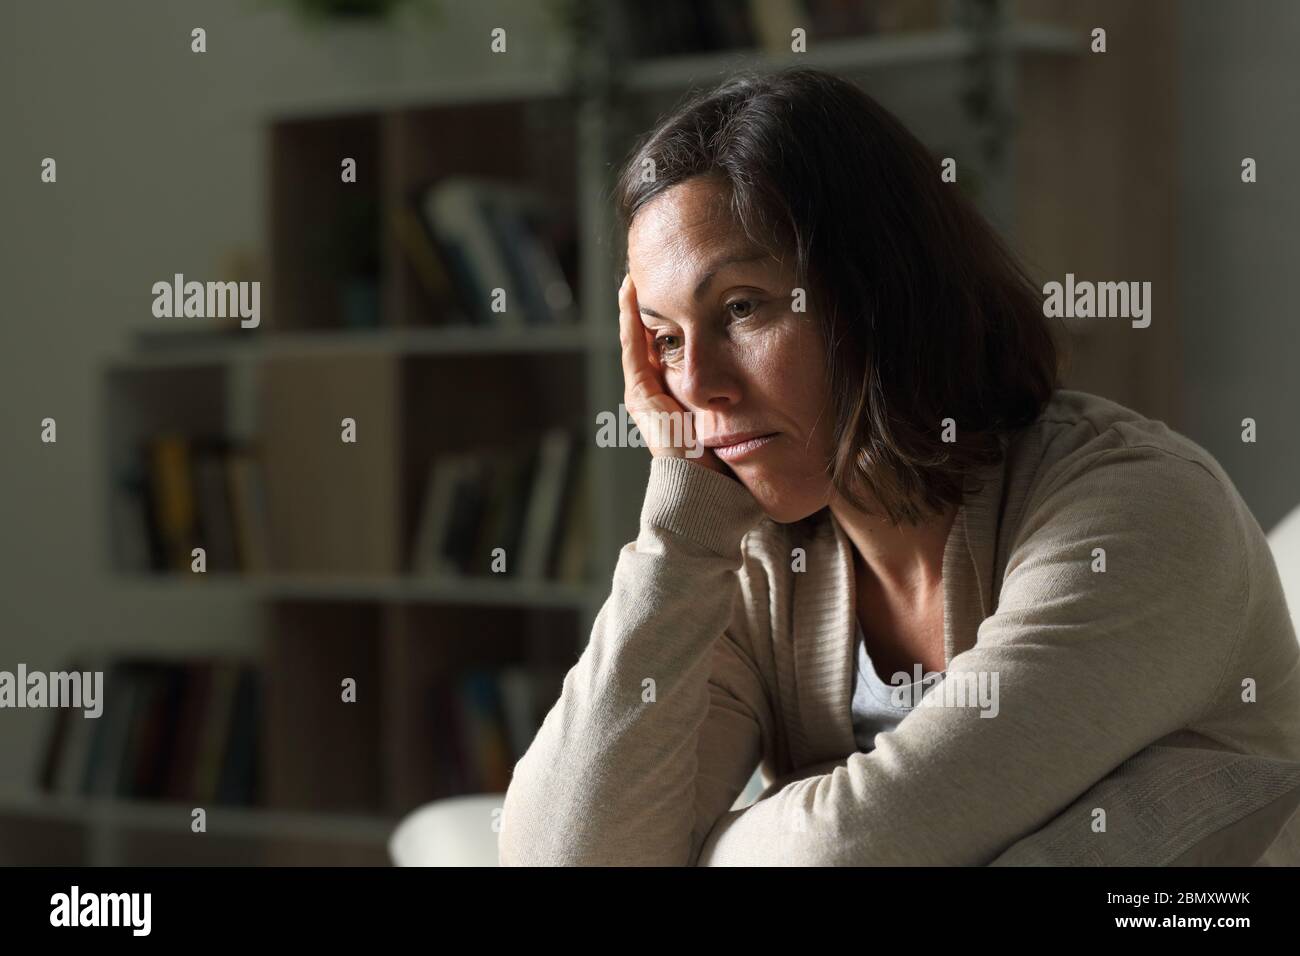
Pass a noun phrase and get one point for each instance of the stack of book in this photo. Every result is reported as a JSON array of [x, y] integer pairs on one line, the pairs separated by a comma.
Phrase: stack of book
[[192, 732], [530, 502], [183, 732], [484, 722], [488, 252], [181, 492]]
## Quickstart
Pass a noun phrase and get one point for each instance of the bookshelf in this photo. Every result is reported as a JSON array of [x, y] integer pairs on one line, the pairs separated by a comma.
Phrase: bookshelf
[[337, 590]]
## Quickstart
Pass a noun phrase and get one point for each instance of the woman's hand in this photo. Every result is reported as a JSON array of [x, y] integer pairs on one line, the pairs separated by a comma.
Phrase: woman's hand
[[667, 428]]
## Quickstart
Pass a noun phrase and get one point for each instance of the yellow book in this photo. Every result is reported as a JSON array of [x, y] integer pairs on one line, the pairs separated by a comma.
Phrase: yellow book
[[174, 506]]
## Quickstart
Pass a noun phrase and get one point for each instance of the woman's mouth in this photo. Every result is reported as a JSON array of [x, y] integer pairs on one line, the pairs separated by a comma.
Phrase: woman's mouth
[[740, 445]]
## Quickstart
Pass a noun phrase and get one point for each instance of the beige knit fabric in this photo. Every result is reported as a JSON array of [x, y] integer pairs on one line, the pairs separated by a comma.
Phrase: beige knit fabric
[[712, 655]]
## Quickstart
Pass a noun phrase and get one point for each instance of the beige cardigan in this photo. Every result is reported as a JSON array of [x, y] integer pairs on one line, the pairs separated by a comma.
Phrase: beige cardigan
[[712, 655]]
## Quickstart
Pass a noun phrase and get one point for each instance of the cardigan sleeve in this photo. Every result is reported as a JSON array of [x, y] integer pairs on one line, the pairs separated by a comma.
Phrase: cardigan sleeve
[[1081, 667], [661, 722]]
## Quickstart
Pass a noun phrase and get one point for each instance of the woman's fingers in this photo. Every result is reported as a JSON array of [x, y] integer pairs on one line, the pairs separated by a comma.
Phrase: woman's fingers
[[666, 427], [640, 379], [644, 394]]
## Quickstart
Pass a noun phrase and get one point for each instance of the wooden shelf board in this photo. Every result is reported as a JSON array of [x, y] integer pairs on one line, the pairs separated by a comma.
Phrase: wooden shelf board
[[248, 822], [256, 346], [852, 54], [409, 589], [670, 73]]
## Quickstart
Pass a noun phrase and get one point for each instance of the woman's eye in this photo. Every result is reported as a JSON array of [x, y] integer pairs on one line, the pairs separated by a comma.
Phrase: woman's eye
[[745, 304], [667, 343]]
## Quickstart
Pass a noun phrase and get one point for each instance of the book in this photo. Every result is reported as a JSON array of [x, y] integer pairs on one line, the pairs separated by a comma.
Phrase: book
[[112, 731], [141, 748], [426, 259], [483, 724], [469, 504], [181, 492], [179, 777], [486, 721], [525, 500], [162, 735], [545, 503], [137, 544], [237, 779], [571, 545], [453, 212], [215, 734], [510, 477], [215, 517], [175, 510], [495, 235], [248, 509], [428, 555], [72, 749]]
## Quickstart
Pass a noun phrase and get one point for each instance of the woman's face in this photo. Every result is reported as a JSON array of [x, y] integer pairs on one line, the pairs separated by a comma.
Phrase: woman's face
[[733, 351]]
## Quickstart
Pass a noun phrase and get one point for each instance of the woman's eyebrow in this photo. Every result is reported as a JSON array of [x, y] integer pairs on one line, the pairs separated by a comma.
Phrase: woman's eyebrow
[[718, 264], [714, 268]]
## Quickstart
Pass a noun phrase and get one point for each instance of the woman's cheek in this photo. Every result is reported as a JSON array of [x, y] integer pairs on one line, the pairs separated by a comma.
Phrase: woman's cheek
[[784, 368], [767, 344]]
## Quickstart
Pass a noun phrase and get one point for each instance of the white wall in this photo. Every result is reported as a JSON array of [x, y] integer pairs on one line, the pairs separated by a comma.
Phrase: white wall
[[1241, 325]]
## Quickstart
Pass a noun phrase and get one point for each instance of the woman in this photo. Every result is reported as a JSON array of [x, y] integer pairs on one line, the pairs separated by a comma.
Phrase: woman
[[934, 596]]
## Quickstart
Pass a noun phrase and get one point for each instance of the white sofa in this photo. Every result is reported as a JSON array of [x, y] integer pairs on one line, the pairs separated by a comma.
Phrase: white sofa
[[458, 831], [1284, 539]]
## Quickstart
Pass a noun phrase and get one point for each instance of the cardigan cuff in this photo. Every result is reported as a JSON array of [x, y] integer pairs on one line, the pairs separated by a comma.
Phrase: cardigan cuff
[[698, 504]]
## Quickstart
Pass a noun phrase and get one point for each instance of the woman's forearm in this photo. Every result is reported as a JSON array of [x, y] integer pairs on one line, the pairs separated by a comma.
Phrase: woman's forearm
[[610, 776]]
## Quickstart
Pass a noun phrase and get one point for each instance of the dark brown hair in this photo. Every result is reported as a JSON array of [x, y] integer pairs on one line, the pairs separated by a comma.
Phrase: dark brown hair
[[926, 313]]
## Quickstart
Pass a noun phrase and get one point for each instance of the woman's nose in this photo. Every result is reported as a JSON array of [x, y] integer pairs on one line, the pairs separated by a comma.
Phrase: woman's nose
[[709, 377]]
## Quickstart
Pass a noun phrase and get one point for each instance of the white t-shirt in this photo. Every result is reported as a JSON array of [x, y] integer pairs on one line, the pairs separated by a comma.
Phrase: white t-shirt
[[879, 706]]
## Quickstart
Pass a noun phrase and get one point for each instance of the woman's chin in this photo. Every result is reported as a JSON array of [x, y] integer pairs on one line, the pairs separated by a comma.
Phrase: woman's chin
[[781, 503]]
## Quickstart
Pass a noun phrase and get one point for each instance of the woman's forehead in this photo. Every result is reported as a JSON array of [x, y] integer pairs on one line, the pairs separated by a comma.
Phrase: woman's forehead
[[682, 223]]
